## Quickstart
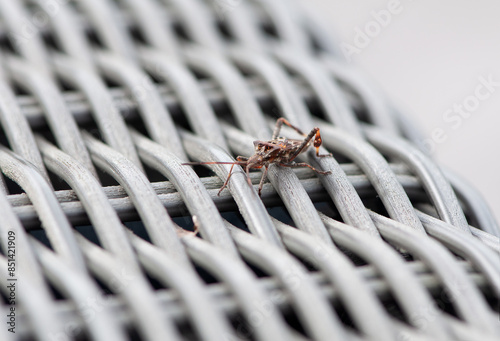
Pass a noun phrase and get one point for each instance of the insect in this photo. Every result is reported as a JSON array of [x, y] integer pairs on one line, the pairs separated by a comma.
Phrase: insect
[[278, 150]]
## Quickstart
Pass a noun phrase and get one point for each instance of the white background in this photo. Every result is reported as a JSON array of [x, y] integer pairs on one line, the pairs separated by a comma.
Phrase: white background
[[427, 58]]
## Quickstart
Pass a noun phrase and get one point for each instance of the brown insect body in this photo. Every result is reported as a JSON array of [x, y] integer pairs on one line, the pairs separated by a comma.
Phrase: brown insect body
[[278, 150]]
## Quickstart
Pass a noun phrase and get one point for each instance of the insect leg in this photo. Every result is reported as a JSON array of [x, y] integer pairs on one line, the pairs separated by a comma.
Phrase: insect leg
[[314, 133], [279, 123], [304, 143], [303, 164], [270, 145], [227, 179], [247, 169], [264, 175]]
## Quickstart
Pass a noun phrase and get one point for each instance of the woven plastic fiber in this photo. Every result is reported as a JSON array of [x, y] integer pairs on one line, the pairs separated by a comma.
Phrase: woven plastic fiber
[[102, 101]]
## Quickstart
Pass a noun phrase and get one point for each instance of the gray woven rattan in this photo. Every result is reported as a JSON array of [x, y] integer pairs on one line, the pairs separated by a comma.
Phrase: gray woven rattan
[[102, 101]]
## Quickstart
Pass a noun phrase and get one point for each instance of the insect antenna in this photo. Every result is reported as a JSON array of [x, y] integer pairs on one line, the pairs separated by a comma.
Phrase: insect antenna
[[241, 163]]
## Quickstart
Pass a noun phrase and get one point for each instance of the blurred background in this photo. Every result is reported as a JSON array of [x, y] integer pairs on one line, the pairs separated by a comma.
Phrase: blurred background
[[439, 61]]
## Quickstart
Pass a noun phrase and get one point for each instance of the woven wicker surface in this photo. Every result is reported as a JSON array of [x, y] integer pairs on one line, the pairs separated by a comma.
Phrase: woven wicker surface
[[102, 102]]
